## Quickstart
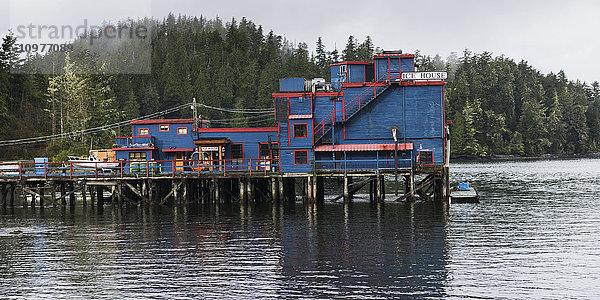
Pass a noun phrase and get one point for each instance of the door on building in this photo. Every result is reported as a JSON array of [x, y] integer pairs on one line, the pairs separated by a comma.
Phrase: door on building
[[179, 161]]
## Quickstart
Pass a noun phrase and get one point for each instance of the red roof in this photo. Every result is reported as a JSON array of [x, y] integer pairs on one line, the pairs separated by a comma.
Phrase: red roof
[[134, 148], [363, 147], [293, 117], [394, 55], [178, 150], [352, 63], [167, 121], [250, 129]]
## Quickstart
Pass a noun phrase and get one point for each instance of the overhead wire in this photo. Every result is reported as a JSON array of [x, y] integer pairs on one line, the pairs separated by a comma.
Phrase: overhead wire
[[265, 115]]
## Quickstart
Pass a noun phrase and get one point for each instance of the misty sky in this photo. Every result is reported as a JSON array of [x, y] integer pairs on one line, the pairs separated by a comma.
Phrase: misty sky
[[551, 35]]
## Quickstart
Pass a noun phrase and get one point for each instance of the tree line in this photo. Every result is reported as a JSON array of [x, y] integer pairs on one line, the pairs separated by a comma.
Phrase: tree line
[[497, 106], [500, 107]]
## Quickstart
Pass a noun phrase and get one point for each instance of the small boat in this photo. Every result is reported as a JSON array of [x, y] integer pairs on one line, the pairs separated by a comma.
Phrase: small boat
[[464, 193], [92, 162]]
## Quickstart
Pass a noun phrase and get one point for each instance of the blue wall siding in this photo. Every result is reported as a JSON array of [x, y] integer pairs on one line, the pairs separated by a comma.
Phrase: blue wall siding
[[291, 85], [424, 112], [407, 64], [351, 94], [301, 142], [167, 140], [424, 116], [300, 105], [250, 140], [381, 67], [287, 161], [323, 106], [436, 145], [357, 73], [336, 77], [283, 135]]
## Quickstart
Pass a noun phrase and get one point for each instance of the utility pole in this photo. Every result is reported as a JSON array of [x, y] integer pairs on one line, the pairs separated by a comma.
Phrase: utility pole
[[394, 131], [195, 110]]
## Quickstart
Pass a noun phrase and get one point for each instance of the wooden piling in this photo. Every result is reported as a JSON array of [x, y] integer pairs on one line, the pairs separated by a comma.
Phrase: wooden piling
[[346, 188], [320, 189], [83, 188], [309, 189], [22, 194], [72, 195], [274, 189], [63, 194], [100, 196], [249, 192]]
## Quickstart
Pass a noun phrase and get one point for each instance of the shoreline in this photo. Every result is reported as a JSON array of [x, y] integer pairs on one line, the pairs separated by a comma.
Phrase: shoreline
[[522, 157]]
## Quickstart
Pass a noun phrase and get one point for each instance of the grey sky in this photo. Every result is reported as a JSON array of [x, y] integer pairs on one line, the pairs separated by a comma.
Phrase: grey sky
[[550, 35]]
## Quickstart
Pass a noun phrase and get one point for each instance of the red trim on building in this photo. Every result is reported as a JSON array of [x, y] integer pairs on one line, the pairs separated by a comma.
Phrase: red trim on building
[[394, 55], [161, 125], [363, 147], [237, 167], [328, 94], [351, 63], [432, 82], [255, 129], [134, 149], [432, 158], [295, 164], [294, 94], [294, 129], [166, 121], [295, 117], [186, 130], [179, 150], [444, 137], [135, 136]]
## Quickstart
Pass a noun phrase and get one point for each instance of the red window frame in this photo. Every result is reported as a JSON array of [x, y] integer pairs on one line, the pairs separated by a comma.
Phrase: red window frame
[[432, 158], [140, 132], [294, 130], [161, 125], [186, 130], [237, 166], [296, 164]]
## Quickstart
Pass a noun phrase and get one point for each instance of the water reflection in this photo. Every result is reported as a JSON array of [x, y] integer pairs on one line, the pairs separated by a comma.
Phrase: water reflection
[[364, 250], [259, 251]]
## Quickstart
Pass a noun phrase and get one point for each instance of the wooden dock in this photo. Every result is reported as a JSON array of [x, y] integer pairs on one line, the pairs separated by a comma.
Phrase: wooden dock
[[430, 184]]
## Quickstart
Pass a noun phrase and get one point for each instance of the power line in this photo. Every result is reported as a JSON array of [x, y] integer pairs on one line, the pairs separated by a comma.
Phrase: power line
[[86, 131], [265, 115]]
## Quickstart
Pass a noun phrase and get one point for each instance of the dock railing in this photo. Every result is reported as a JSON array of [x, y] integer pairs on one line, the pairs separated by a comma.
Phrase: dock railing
[[124, 168], [362, 164]]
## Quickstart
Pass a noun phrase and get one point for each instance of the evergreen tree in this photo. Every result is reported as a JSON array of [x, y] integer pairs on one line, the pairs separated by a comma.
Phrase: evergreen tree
[[350, 53]]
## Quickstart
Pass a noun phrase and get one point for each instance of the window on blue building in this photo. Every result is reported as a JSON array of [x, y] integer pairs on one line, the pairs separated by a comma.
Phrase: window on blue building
[[163, 128], [181, 130], [263, 149], [137, 156], [301, 157], [237, 154], [300, 130]]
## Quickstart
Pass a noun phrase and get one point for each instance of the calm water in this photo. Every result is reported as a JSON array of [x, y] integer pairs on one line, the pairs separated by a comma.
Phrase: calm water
[[536, 234]]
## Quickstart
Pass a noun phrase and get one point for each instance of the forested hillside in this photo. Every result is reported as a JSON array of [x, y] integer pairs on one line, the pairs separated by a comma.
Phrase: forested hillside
[[497, 106]]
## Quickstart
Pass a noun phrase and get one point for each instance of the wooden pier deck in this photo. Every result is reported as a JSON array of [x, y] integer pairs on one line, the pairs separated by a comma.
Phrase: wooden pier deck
[[147, 188]]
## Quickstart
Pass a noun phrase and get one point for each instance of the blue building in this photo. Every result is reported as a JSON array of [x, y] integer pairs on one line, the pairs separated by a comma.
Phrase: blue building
[[367, 118], [174, 145], [357, 122]]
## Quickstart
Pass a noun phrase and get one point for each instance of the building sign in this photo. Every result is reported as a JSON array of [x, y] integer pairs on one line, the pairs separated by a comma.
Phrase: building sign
[[210, 149], [424, 75]]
